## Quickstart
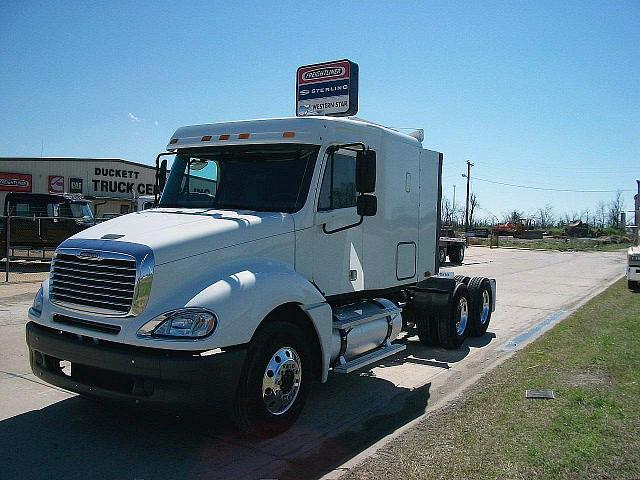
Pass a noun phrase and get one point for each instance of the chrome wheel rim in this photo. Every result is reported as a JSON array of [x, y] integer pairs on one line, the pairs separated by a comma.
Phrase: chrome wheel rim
[[462, 315], [486, 307], [281, 381]]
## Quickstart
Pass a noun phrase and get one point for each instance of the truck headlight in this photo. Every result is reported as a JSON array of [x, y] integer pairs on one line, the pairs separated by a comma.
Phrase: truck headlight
[[185, 323], [36, 308]]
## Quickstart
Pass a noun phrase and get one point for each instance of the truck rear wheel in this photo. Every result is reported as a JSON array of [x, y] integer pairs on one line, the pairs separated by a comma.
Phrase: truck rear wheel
[[275, 380], [442, 255], [480, 295], [456, 254], [632, 284], [452, 324], [462, 279]]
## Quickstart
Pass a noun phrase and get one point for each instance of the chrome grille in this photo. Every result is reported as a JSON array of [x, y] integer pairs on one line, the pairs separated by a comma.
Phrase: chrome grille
[[102, 285]]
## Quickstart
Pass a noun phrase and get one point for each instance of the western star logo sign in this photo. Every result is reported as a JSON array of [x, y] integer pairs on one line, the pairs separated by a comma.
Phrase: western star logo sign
[[327, 89]]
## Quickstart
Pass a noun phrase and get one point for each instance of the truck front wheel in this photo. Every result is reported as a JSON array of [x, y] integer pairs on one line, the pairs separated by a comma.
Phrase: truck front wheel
[[275, 380]]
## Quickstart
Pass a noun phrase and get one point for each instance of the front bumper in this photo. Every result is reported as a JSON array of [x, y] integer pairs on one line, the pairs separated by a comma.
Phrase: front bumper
[[633, 273], [139, 375]]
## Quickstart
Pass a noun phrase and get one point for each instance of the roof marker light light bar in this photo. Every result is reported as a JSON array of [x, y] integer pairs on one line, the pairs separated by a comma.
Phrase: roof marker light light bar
[[288, 134], [223, 137], [243, 136], [205, 138], [173, 141]]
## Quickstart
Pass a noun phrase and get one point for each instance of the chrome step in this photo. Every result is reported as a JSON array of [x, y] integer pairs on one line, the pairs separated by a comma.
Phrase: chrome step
[[368, 358]]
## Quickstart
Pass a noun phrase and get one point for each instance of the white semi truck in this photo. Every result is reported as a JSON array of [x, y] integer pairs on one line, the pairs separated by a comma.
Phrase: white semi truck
[[317, 249]]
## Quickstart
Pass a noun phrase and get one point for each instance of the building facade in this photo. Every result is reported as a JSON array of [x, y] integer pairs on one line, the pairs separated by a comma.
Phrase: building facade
[[112, 184]]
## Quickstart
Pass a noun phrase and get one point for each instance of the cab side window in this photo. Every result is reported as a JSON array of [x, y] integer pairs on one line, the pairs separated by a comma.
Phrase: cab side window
[[21, 209], [338, 188]]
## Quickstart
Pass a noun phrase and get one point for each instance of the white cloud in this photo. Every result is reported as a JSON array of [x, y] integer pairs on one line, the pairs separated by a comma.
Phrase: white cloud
[[133, 118], [155, 122]]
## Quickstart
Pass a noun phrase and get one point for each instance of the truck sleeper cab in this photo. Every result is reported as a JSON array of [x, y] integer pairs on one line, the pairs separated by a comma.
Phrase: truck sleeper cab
[[280, 250]]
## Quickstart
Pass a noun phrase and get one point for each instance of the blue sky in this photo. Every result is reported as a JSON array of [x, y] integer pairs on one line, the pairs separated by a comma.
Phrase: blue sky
[[538, 93]]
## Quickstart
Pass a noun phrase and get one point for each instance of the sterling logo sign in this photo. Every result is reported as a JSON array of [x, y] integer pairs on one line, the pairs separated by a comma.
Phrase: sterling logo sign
[[327, 89]]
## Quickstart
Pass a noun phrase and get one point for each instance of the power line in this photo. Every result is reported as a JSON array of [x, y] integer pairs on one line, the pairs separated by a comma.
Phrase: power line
[[548, 189]]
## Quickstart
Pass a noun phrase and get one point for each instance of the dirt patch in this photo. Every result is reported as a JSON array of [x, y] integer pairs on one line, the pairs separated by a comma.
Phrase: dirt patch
[[588, 378]]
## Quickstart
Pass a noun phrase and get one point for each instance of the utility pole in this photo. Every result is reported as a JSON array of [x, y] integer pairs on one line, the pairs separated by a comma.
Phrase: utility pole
[[454, 198], [637, 219], [466, 215]]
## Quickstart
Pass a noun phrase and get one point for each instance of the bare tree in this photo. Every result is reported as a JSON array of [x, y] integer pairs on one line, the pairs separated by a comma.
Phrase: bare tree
[[447, 212], [545, 216], [571, 217], [473, 204], [614, 209], [514, 216]]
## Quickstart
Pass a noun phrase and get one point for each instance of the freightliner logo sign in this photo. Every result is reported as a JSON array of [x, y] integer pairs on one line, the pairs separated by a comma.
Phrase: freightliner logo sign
[[327, 89]]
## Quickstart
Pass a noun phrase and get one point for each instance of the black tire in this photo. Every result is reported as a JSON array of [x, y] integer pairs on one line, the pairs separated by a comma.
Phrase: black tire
[[456, 254], [426, 328], [442, 255], [462, 279], [450, 336], [251, 412], [632, 284], [481, 298]]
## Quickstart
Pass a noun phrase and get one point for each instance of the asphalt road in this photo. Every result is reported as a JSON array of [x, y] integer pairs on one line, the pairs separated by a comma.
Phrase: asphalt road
[[48, 433]]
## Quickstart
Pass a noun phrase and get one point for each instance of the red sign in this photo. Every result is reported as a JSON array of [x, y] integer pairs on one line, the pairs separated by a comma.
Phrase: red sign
[[56, 184], [15, 182]]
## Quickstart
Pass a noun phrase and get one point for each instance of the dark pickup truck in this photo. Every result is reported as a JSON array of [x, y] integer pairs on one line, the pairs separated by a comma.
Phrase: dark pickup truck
[[43, 221]]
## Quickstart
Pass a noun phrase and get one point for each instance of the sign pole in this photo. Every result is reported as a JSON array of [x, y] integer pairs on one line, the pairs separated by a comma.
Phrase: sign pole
[[8, 237]]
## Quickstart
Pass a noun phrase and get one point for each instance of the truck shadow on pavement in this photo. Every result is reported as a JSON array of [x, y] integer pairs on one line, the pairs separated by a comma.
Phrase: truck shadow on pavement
[[78, 438]]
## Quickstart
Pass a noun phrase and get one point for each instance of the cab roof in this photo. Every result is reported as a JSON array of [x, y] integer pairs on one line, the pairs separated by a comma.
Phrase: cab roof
[[289, 129]]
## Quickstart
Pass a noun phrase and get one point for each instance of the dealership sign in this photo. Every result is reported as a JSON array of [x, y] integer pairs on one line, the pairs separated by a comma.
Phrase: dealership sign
[[56, 184], [75, 185], [15, 182], [327, 89]]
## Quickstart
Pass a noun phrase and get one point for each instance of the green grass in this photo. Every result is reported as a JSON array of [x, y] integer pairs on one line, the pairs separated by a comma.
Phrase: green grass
[[571, 244], [591, 430]]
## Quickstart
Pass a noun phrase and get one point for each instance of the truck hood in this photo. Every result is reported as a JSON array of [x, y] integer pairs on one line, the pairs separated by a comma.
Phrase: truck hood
[[174, 233]]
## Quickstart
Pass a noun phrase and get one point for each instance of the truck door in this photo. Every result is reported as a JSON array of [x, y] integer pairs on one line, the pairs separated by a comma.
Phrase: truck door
[[337, 254]]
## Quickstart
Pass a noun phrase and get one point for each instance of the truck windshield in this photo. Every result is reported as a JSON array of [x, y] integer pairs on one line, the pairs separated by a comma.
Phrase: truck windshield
[[74, 210], [267, 178]]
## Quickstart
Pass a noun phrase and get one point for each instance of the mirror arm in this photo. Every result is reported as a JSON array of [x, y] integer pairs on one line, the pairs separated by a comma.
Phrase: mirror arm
[[329, 232], [346, 146]]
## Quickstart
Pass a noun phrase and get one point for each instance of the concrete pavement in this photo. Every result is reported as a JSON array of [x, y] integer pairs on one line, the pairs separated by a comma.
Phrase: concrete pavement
[[48, 433]]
